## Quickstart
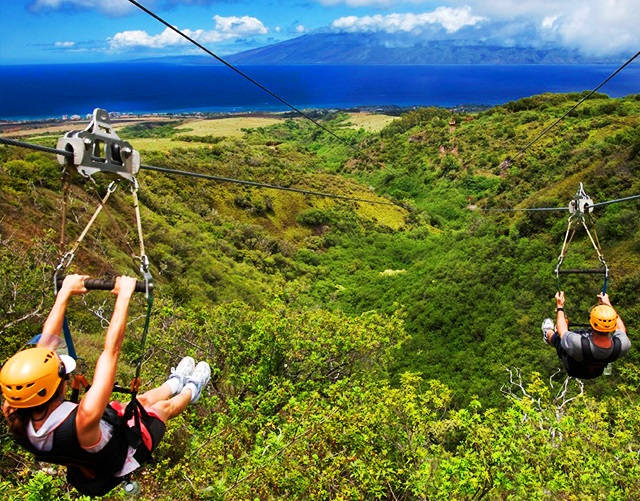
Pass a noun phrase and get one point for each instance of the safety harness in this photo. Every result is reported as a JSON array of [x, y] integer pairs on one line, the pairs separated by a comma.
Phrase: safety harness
[[590, 367], [90, 473]]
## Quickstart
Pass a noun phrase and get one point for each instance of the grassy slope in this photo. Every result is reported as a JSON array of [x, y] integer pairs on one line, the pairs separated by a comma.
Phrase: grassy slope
[[474, 288], [468, 312]]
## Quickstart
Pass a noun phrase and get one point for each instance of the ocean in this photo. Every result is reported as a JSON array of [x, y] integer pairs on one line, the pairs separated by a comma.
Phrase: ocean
[[45, 91]]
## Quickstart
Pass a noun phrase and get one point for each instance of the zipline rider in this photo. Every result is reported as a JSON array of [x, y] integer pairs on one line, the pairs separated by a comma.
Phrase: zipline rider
[[91, 438], [585, 354]]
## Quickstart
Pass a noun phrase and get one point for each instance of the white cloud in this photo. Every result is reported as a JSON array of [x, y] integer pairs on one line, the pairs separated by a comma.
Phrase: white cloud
[[300, 28], [277, 29], [110, 7], [225, 28], [239, 26], [596, 27], [593, 26], [450, 19], [547, 22], [64, 45]]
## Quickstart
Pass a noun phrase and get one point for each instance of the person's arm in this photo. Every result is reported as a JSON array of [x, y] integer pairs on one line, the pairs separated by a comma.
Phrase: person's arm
[[52, 329], [95, 401], [561, 319], [603, 298]]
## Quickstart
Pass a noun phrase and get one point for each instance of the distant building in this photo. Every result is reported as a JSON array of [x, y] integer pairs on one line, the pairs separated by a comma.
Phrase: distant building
[[65, 117], [75, 117]]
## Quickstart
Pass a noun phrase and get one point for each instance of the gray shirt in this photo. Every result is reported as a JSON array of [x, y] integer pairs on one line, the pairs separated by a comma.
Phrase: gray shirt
[[572, 344]]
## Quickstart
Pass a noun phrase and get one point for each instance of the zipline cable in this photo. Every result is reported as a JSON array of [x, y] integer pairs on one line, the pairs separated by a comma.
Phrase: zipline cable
[[587, 206], [534, 209], [69, 154], [547, 129], [250, 79], [258, 185], [632, 197], [36, 147]]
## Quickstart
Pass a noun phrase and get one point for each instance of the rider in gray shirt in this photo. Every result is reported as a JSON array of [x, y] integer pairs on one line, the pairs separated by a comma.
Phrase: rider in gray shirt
[[586, 355]]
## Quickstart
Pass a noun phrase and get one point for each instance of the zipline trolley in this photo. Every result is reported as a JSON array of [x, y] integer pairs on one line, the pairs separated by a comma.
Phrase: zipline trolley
[[580, 214]]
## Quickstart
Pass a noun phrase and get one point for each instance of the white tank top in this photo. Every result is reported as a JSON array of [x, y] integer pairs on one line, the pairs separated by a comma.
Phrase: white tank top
[[43, 438]]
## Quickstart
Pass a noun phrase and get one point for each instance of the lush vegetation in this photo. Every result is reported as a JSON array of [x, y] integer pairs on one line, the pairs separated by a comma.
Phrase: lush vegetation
[[360, 351]]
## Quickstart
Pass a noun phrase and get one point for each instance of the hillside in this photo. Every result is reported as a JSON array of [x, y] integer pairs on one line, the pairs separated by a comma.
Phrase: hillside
[[386, 48], [360, 351]]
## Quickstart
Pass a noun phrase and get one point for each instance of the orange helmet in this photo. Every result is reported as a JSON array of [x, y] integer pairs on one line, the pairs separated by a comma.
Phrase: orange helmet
[[603, 318], [31, 377]]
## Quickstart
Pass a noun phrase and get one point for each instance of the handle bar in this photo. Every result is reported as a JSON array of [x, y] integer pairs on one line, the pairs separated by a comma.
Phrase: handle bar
[[107, 284]]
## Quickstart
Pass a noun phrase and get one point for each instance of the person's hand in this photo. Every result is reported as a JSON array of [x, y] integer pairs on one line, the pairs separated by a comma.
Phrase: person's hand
[[603, 298], [74, 284], [124, 286], [559, 299]]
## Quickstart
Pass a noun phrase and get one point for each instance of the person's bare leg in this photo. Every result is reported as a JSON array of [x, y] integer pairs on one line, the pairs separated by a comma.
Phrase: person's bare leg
[[149, 398], [168, 409]]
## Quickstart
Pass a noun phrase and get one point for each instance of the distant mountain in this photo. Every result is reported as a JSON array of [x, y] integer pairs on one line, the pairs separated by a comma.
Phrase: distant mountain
[[384, 48]]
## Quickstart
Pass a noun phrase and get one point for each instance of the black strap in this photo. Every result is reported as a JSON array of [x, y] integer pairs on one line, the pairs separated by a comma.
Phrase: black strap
[[135, 410], [587, 354], [617, 347]]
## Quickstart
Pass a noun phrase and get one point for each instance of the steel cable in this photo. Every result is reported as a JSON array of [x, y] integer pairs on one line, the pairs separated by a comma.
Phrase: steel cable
[[256, 184], [250, 79], [547, 129]]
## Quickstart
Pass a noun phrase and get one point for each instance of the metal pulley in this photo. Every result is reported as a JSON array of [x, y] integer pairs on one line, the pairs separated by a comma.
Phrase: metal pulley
[[98, 148], [581, 203]]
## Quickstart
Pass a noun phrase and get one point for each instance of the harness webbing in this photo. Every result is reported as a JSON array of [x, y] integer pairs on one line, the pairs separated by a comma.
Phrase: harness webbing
[[587, 354], [68, 339], [68, 256]]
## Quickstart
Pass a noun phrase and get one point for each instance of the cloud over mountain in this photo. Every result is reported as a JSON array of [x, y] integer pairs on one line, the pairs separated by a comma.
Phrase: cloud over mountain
[[226, 28], [595, 27], [450, 19]]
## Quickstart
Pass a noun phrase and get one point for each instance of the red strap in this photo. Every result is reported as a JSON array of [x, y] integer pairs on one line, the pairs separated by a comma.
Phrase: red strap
[[146, 436]]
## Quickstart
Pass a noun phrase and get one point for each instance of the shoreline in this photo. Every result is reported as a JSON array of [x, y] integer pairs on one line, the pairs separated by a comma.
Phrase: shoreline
[[122, 119]]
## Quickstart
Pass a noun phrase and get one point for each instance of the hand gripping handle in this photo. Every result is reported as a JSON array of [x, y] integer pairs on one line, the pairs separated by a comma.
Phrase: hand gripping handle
[[106, 284]]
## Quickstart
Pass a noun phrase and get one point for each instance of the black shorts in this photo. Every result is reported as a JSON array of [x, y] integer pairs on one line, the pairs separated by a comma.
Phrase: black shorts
[[156, 428]]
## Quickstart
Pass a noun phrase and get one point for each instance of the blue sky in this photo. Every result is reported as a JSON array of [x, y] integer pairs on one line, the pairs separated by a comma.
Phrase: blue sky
[[65, 31]]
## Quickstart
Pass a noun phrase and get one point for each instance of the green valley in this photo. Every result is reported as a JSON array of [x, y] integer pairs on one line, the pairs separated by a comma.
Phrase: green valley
[[359, 351]]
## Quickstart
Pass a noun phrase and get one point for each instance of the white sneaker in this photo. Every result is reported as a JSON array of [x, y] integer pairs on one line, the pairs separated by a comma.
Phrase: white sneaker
[[547, 325], [198, 380], [182, 372]]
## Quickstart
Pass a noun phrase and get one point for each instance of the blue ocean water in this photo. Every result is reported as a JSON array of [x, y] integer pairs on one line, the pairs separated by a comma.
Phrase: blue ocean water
[[41, 91]]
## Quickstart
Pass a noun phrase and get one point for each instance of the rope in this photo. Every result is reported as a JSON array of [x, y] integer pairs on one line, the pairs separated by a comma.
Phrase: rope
[[136, 208], [65, 203], [143, 342], [244, 75], [110, 189], [547, 129], [565, 247], [68, 256]]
